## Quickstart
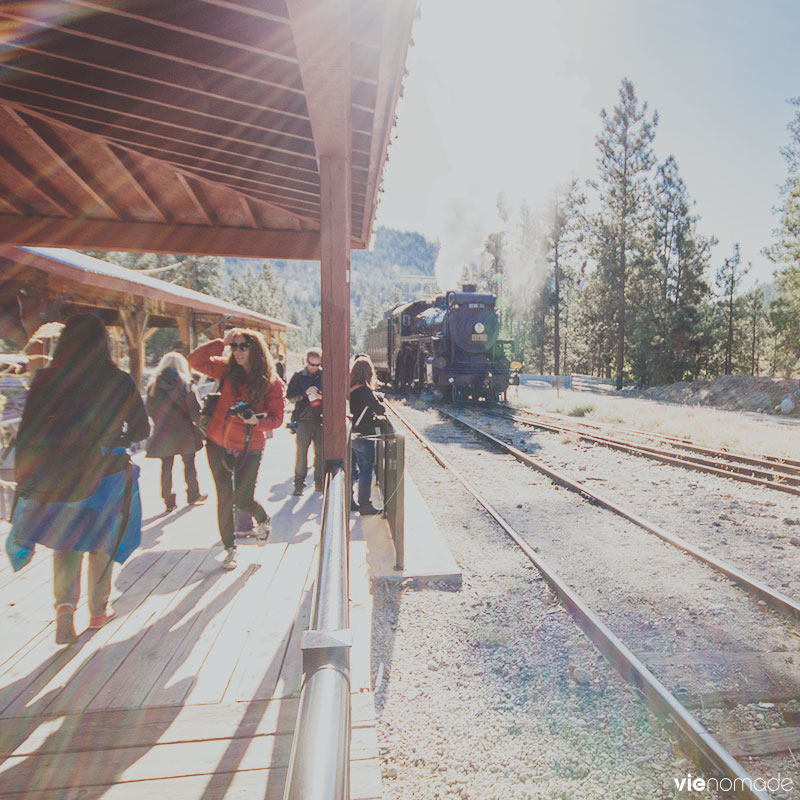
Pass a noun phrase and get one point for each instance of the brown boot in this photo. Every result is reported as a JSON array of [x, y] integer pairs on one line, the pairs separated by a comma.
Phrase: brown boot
[[65, 627]]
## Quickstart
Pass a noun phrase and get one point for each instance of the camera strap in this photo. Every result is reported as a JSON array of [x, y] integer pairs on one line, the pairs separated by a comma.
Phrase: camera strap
[[233, 460]]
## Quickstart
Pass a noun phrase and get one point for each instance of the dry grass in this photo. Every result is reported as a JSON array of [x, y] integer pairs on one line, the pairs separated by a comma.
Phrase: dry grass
[[750, 432]]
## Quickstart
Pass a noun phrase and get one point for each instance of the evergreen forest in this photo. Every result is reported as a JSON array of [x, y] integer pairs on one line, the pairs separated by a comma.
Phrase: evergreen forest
[[610, 277]]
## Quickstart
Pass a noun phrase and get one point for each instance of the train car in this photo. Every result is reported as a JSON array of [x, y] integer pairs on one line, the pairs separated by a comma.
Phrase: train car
[[449, 343]]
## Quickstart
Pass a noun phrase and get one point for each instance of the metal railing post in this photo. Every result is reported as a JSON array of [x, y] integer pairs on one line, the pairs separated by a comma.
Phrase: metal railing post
[[389, 473], [319, 764]]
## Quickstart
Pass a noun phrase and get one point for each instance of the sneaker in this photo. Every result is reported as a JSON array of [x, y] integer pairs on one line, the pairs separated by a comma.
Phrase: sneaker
[[65, 627], [230, 558], [262, 532], [95, 623], [369, 509], [318, 487], [298, 491], [169, 502], [353, 505], [201, 498]]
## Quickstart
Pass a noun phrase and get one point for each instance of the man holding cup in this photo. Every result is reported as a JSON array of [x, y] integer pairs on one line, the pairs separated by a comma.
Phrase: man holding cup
[[305, 390]]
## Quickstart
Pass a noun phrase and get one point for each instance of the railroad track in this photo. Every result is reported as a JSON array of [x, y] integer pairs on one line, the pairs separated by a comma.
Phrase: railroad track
[[632, 667], [760, 470]]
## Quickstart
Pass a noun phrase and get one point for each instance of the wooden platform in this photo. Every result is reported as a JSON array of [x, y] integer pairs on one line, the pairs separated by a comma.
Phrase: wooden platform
[[192, 691]]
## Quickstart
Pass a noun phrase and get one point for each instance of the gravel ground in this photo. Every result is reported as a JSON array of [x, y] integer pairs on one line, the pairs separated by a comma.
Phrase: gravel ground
[[754, 528], [493, 692]]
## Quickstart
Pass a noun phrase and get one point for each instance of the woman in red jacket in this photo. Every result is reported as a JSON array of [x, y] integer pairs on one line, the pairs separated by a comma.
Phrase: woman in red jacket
[[251, 405]]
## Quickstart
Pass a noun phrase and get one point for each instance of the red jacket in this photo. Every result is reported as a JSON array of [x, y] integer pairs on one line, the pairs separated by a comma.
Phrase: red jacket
[[228, 431]]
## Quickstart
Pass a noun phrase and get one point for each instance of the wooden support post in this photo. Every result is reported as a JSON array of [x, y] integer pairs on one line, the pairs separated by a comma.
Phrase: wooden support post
[[187, 331], [134, 323], [114, 335], [335, 290]]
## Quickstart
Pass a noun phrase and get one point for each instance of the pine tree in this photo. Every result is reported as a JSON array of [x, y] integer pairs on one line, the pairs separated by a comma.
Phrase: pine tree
[[564, 237], [673, 284], [729, 277], [758, 318], [785, 252], [624, 165], [258, 290]]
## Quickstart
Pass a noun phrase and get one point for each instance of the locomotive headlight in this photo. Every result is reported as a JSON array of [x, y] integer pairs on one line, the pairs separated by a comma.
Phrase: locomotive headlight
[[451, 379], [479, 328]]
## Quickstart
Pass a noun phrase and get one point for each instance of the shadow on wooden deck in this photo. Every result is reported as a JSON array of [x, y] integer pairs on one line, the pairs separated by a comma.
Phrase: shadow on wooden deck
[[191, 689]]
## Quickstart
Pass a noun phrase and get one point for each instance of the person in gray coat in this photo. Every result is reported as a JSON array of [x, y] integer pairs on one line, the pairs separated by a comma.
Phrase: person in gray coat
[[173, 406]]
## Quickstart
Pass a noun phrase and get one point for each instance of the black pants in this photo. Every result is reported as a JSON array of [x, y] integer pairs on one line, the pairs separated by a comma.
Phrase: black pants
[[246, 472], [189, 472]]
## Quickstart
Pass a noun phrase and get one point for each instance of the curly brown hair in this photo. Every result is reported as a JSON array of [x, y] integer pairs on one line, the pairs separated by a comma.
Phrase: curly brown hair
[[261, 368]]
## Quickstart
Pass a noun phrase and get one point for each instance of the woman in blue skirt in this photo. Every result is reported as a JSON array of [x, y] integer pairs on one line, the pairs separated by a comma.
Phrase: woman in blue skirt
[[77, 491]]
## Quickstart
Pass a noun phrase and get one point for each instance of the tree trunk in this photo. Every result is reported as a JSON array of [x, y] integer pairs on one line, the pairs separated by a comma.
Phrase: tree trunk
[[556, 314], [729, 343], [621, 330]]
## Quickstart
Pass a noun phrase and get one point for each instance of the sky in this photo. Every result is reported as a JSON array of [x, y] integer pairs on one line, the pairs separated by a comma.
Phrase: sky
[[505, 96]]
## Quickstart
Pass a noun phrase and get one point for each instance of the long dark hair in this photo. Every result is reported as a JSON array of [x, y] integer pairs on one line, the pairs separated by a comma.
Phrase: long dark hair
[[82, 348], [261, 372], [362, 371]]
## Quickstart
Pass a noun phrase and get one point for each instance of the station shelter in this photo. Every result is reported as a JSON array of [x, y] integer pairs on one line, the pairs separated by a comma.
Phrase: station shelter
[[39, 285], [248, 128]]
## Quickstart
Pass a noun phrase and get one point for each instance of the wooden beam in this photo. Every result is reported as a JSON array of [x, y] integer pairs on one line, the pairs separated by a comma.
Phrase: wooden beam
[[69, 162], [128, 167], [335, 291], [134, 322], [187, 331], [327, 76], [398, 17], [183, 181], [248, 212], [326, 70], [152, 237], [21, 172]]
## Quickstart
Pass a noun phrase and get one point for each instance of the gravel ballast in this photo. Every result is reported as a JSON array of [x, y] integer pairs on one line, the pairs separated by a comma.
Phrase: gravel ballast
[[493, 691]]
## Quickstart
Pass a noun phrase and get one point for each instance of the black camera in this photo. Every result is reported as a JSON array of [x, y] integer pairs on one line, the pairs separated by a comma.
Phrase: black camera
[[241, 409]]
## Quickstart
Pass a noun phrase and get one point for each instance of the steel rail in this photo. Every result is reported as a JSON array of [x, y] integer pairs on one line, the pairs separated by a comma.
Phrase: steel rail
[[685, 461], [780, 602], [784, 464], [678, 441], [630, 668], [319, 763]]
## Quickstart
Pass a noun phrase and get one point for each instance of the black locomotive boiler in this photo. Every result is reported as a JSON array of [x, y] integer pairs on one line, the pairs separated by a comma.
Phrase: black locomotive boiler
[[449, 343]]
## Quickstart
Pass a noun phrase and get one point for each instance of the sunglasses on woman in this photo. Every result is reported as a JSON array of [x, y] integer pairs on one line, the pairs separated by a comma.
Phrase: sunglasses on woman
[[240, 345]]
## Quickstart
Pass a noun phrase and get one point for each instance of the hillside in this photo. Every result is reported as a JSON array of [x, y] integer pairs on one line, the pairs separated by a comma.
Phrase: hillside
[[733, 392], [399, 266]]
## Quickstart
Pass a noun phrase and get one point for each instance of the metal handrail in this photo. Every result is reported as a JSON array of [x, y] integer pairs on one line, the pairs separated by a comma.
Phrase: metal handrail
[[390, 475], [319, 764]]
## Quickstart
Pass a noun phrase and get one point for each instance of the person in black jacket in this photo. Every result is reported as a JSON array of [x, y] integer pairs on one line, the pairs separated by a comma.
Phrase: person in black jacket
[[305, 391], [77, 491], [365, 404], [175, 410], [280, 367]]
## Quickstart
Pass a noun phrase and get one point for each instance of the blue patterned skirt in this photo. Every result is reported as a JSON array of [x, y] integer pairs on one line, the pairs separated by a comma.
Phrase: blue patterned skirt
[[90, 524]]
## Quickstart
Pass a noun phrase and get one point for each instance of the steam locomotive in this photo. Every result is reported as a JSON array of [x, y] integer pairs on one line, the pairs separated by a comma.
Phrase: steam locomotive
[[449, 343]]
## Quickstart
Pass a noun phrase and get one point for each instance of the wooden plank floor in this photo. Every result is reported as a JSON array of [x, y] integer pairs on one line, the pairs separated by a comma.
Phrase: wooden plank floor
[[192, 691]]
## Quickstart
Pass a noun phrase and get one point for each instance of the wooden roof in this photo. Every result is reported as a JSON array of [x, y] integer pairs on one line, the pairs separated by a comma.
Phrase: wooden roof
[[193, 126], [65, 278]]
